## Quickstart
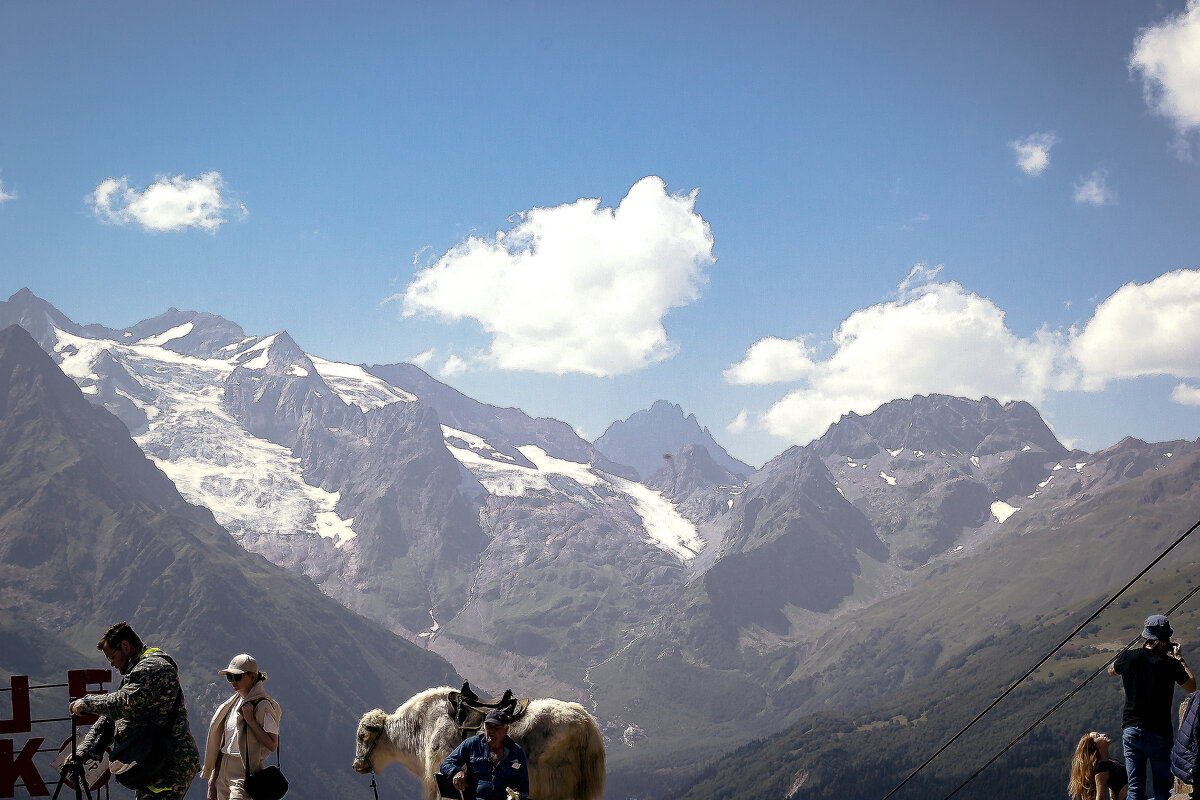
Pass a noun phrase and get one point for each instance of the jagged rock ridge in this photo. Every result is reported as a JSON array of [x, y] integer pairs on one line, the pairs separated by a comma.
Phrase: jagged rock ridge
[[645, 437]]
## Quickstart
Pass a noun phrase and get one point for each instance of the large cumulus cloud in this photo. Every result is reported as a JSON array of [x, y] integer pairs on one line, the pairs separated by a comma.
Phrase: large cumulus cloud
[[575, 287], [1142, 329], [1165, 57], [941, 338]]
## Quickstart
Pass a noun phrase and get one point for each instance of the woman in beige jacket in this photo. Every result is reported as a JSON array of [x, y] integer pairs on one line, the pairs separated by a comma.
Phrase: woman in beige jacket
[[243, 731]]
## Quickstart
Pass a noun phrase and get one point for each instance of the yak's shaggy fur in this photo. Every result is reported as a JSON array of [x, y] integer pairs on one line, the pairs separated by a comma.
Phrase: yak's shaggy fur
[[561, 741]]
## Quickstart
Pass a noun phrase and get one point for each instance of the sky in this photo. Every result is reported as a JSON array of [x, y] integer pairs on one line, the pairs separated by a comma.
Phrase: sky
[[771, 214]]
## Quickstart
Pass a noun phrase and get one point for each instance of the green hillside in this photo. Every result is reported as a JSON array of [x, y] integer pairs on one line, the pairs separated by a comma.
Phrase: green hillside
[[867, 752], [1021, 585]]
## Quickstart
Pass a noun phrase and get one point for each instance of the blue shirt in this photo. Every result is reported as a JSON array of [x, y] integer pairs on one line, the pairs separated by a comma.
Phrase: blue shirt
[[490, 780]]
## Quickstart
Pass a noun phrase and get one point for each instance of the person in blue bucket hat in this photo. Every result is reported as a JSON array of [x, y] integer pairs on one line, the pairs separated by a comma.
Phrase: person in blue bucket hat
[[1149, 675]]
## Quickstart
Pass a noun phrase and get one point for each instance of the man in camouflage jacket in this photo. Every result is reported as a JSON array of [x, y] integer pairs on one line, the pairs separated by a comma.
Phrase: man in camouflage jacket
[[146, 696]]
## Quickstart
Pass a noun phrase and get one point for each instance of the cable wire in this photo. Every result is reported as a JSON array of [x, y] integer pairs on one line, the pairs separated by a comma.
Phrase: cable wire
[[1043, 660], [1063, 701]]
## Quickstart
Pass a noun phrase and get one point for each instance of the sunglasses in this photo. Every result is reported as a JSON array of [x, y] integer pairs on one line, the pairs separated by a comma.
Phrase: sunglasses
[[235, 678]]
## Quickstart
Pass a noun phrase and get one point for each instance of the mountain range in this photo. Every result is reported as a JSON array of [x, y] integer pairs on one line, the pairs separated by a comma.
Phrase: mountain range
[[649, 575], [91, 532]]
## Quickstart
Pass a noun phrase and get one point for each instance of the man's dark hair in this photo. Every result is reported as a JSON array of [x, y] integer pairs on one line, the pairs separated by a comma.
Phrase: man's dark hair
[[121, 632]]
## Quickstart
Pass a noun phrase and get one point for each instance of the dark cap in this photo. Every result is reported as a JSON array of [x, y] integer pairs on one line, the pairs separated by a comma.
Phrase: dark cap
[[1158, 628], [497, 716]]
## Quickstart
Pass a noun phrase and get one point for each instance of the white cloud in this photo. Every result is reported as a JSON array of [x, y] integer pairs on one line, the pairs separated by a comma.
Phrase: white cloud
[[4, 195], [1033, 152], [1094, 190], [1186, 395], [772, 360], [942, 340], [939, 338], [1143, 329], [919, 276], [453, 365], [168, 204], [576, 287], [1167, 56], [422, 359], [739, 423]]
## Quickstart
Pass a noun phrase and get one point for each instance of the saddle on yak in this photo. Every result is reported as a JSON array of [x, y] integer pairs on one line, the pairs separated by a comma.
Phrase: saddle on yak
[[468, 709]]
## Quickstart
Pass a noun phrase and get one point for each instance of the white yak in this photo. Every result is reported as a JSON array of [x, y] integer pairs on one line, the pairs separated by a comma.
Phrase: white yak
[[561, 740]]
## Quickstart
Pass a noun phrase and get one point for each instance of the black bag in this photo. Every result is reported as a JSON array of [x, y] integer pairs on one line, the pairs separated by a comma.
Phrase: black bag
[[268, 783], [142, 756]]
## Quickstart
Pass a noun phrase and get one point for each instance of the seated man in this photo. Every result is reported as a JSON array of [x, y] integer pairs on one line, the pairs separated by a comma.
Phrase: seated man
[[489, 763]]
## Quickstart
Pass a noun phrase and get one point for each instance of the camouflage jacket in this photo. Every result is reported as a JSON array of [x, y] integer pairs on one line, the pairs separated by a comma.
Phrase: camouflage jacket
[[145, 697]]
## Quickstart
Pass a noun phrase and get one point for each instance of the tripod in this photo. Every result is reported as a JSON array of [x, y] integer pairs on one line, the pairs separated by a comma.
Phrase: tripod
[[72, 771]]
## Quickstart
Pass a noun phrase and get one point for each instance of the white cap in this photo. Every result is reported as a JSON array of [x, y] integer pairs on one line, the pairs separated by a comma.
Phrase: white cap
[[240, 665]]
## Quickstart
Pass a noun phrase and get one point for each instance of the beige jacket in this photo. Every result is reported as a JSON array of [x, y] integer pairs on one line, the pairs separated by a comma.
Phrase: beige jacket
[[257, 753]]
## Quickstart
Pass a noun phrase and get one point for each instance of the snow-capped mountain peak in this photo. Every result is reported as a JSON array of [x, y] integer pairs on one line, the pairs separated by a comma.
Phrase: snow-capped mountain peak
[[501, 476], [355, 386]]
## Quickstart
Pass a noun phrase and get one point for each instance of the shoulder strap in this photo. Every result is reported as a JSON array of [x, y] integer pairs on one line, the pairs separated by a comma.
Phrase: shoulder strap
[[245, 755], [175, 708], [178, 686]]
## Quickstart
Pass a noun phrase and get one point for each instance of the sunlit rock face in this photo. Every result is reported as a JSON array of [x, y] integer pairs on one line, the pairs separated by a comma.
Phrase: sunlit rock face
[[936, 475]]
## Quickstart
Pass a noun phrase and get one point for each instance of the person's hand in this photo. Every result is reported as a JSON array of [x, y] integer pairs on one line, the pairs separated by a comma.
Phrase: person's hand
[[247, 712], [76, 707], [460, 781], [212, 787]]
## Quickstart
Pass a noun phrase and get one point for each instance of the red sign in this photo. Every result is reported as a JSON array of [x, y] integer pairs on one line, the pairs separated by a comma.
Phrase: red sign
[[20, 722], [18, 766]]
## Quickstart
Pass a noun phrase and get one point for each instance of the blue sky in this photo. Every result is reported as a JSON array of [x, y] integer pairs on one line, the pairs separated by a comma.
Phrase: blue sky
[[769, 213]]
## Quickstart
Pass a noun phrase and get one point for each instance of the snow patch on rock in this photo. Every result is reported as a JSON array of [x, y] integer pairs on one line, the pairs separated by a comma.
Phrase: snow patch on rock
[[1002, 510]]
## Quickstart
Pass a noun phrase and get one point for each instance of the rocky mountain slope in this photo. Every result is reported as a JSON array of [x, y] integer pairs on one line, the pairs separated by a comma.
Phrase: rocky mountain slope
[[855, 515], [820, 544], [890, 684], [645, 437], [505, 542], [501, 426], [91, 532]]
